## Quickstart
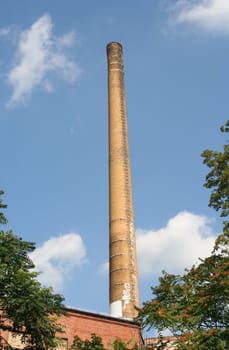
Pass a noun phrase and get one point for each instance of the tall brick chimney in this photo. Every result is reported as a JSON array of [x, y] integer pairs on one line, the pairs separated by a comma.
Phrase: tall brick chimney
[[124, 289]]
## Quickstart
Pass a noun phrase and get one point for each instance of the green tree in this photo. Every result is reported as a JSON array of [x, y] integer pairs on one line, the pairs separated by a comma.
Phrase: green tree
[[195, 306], [27, 308], [118, 344], [95, 343], [3, 219]]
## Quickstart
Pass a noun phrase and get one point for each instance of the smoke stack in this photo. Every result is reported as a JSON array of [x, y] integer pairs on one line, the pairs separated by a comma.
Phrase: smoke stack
[[124, 289]]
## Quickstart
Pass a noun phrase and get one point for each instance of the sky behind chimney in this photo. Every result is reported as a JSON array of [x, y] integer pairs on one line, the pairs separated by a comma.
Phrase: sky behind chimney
[[54, 132]]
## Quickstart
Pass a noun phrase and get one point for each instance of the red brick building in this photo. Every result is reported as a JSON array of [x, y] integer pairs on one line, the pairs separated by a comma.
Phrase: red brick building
[[83, 324]]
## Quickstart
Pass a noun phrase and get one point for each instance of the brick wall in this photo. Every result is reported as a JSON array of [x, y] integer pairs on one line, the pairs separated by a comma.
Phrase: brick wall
[[84, 323]]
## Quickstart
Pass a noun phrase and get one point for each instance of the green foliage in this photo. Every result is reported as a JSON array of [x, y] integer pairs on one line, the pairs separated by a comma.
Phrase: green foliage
[[95, 343], [195, 306], [28, 308], [218, 179], [118, 344], [3, 219]]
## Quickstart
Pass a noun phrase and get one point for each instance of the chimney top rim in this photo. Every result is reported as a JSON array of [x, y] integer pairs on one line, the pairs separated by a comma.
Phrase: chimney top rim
[[114, 43]]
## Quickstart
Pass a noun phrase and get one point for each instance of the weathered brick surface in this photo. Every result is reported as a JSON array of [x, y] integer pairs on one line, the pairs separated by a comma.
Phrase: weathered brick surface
[[83, 324], [108, 328], [124, 290]]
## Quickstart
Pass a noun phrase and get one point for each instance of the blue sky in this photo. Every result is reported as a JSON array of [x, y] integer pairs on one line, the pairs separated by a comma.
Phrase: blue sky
[[54, 122]]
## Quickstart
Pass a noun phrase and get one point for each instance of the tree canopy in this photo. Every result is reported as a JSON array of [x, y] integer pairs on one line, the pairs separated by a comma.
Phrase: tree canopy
[[27, 308], [194, 306], [3, 219], [96, 343]]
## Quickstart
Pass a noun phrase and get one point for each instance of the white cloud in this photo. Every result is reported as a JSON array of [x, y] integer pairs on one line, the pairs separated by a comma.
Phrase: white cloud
[[67, 40], [178, 245], [40, 53], [210, 15], [57, 258]]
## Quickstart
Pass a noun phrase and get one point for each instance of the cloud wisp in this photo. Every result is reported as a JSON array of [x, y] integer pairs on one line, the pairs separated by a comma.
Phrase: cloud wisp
[[210, 15], [4, 31], [57, 258], [39, 56], [178, 245]]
